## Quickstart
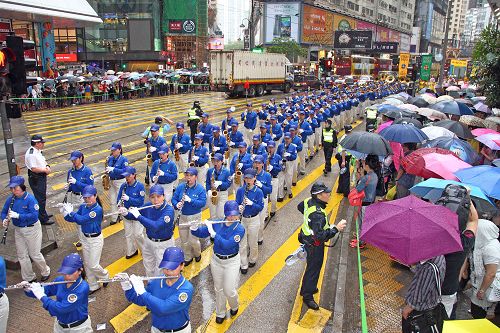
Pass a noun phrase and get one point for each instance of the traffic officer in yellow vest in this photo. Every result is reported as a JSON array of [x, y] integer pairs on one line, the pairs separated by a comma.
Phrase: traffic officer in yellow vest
[[329, 142], [371, 116], [316, 231], [194, 117]]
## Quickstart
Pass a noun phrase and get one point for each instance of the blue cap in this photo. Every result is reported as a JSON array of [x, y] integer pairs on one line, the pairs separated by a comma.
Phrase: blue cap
[[271, 144], [218, 157], [192, 171], [179, 125], [242, 144], [70, 264], [215, 128], [293, 128], [16, 181], [198, 136], [115, 146], [154, 128], [229, 110], [256, 137], [263, 104], [172, 258], [74, 155], [231, 208], [302, 112], [129, 170], [234, 122], [273, 118], [259, 159], [156, 189], [89, 191], [204, 115], [287, 135], [249, 104], [263, 125], [163, 149], [250, 173]]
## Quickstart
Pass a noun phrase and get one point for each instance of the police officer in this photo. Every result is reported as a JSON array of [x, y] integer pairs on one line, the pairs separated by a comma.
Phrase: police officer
[[72, 298], [163, 129], [131, 194], [159, 224], [263, 181], [251, 202], [329, 142], [371, 117], [218, 179], [21, 208], [249, 118], [189, 199], [38, 169], [236, 137], [240, 162], [274, 166], [116, 164], [4, 300], [182, 142], [288, 151], [155, 142], [205, 128], [315, 231], [198, 157], [164, 172], [225, 261], [168, 299], [194, 116]]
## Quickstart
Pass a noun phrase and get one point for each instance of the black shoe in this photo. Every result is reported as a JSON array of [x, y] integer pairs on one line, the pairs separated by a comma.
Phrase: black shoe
[[325, 173], [50, 216], [198, 258], [285, 188], [132, 255], [115, 221], [280, 200], [219, 320], [187, 263], [105, 284], [49, 222], [271, 215], [315, 291], [294, 184], [78, 244], [311, 304], [244, 270], [45, 278], [301, 173], [93, 291], [233, 313], [290, 196], [251, 264], [259, 243], [32, 281]]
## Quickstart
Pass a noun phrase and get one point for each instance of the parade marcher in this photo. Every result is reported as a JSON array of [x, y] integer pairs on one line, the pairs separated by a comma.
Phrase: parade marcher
[[155, 142], [72, 299], [205, 128], [344, 159], [299, 145], [257, 147], [198, 157], [288, 151], [168, 299], [311, 139], [21, 209], [163, 129], [274, 166], [182, 144], [329, 143], [225, 262], [131, 194], [38, 169], [194, 117], [4, 300], [218, 143], [240, 162], [226, 122], [275, 130], [264, 182], [115, 166], [164, 172], [304, 131], [159, 224], [249, 118], [251, 202], [218, 179], [315, 231], [89, 218], [189, 199], [235, 137], [264, 137]]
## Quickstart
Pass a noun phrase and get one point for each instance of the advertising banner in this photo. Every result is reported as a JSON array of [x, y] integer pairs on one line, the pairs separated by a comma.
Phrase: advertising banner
[[404, 61], [458, 63], [47, 48], [179, 17], [353, 39], [425, 70], [404, 43], [182, 26], [216, 43], [4, 29], [383, 34], [385, 47], [317, 26], [281, 21], [66, 57], [362, 25], [341, 22]]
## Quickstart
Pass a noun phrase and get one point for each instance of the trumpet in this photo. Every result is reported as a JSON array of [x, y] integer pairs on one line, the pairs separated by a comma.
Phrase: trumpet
[[24, 285], [143, 278], [198, 223], [106, 181]]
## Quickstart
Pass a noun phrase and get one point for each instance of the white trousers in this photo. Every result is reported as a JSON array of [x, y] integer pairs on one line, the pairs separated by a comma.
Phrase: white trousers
[[310, 144], [91, 251], [217, 211], [4, 311], [86, 327], [76, 201], [113, 193], [182, 164], [336, 123], [187, 329], [202, 174], [168, 189], [152, 254], [28, 245], [262, 219], [274, 194], [226, 275], [294, 170], [190, 244], [249, 241], [248, 136], [302, 157], [282, 182], [134, 235]]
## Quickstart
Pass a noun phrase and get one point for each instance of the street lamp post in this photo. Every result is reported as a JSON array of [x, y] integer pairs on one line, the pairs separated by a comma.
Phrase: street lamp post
[[250, 31], [445, 44]]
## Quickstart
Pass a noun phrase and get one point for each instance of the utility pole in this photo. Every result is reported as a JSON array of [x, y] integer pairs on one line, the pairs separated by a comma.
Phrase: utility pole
[[445, 44], [7, 138], [250, 25]]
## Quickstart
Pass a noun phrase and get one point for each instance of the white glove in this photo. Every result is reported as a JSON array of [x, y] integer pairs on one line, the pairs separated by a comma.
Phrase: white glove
[[137, 284], [211, 230], [217, 183], [178, 145], [187, 198], [161, 173], [231, 143], [126, 285], [193, 227], [273, 136], [66, 186], [13, 214], [5, 223], [264, 144], [269, 168], [37, 290], [239, 166], [71, 180], [253, 156], [241, 208], [122, 211], [152, 149], [125, 197], [258, 183], [216, 148], [109, 169], [287, 154], [196, 158], [248, 202], [230, 178], [134, 211], [68, 208], [179, 205], [301, 130], [155, 179]]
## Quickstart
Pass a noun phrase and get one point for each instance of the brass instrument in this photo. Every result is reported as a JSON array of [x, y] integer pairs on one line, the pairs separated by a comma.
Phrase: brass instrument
[[237, 173], [4, 237], [177, 155], [191, 162], [214, 193], [106, 181], [226, 134], [149, 156], [43, 284], [390, 79]]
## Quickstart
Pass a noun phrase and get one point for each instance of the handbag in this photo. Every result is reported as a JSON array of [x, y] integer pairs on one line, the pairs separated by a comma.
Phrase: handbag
[[355, 197]]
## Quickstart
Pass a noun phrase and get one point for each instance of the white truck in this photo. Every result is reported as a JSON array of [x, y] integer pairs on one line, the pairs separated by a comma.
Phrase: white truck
[[239, 73]]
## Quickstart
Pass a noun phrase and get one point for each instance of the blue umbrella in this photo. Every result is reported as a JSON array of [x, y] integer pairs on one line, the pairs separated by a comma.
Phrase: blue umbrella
[[387, 107], [486, 177], [404, 133], [452, 107], [460, 147]]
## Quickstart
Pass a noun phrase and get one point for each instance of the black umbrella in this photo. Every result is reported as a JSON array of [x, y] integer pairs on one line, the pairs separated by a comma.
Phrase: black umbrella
[[407, 120], [419, 101], [393, 114], [364, 143], [460, 129]]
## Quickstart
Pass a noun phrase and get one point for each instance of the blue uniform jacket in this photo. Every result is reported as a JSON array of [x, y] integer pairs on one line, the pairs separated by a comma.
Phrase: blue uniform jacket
[[255, 194], [206, 129], [286, 127], [250, 120], [265, 178], [3, 275], [159, 222], [246, 159], [262, 114], [136, 193], [220, 142], [275, 160], [157, 143], [298, 143], [169, 305], [27, 208], [89, 218], [202, 153], [307, 130], [168, 167], [184, 140], [314, 123], [83, 178], [227, 238], [265, 139], [277, 131], [119, 163], [221, 175], [235, 137], [292, 149], [259, 150], [196, 193], [226, 124]]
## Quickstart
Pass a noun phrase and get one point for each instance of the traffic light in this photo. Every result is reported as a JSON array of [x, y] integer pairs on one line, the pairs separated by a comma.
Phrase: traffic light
[[17, 70], [6, 57], [124, 66]]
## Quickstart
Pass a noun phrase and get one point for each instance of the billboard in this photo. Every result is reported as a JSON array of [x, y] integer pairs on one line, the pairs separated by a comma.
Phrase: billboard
[[341, 22], [404, 61], [425, 69], [47, 48], [353, 39], [317, 26], [362, 25], [385, 47], [216, 43], [281, 21], [180, 17], [404, 44]]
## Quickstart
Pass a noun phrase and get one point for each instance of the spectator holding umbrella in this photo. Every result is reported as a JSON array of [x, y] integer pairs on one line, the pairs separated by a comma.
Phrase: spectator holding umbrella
[[404, 181]]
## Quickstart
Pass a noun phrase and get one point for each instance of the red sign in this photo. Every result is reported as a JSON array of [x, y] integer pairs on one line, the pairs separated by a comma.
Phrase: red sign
[[175, 26], [65, 57]]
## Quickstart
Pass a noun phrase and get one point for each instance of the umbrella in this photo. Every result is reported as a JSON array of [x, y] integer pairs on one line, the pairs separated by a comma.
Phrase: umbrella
[[461, 130], [419, 101], [460, 147], [481, 107], [400, 227], [386, 107], [444, 165], [434, 132], [469, 326], [453, 88], [467, 102], [482, 131], [486, 177], [490, 140], [393, 101], [412, 121], [393, 114], [444, 98], [404, 95], [383, 125], [409, 107], [414, 162], [403, 133], [399, 97], [431, 114], [110, 72], [452, 107], [366, 143], [494, 120], [472, 121]]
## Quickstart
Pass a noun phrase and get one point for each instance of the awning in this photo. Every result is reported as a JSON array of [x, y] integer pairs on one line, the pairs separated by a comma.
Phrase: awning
[[62, 13]]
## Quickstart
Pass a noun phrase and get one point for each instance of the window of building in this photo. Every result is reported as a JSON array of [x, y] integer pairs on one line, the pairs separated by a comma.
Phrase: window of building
[[352, 6]]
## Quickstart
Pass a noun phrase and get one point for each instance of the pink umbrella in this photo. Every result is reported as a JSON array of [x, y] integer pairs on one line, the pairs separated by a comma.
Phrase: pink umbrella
[[490, 140], [483, 131], [384, 125], [444, 165]]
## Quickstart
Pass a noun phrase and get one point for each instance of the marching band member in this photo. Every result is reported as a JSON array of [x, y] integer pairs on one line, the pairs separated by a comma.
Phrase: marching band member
[[264, 137], [155, 142], [218, 179], [241, 161], [205, 128], [288, 151], [226, 122], [72, 299], [21, 208], [311, 139], [288, 123], [89, 217], [4, 300], [274, 167], [189, 199], [163, 129], [275, 130], [257, 147], [225, 262], [199, 157], [297, 141], [164, 172], [262, 114], [131, 194], [218, 142], [168, 299], [159, 224], [304, 131], [116, 164], [249, 118], [236, 137], [263, 181], [251, 202], [182, 142]]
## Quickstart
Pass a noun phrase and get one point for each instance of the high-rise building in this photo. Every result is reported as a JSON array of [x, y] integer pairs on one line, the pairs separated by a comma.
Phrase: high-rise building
[[476, 19], [457, 20], [430, 18]]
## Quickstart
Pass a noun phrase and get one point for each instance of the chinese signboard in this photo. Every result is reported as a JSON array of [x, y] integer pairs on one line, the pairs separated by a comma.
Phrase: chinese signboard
[[404, 60], [425, 70], [458, 63], [353, 39], [385, 47], [66, 57], [317, 26], [182, 26]]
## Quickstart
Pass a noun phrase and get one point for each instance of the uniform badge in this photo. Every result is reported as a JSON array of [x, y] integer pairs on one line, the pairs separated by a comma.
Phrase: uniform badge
[[91, 177], [72, 298], [142, 193], [126, 163], [183, 297], [166, 219], [237, 238], [92, 214], [36, 207]]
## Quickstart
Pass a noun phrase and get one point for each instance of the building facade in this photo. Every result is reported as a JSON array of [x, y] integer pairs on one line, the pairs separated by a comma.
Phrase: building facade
[[430, 17], [457, 21]]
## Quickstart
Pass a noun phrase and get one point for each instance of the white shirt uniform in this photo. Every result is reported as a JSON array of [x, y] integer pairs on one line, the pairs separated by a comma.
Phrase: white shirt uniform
[[34, 158]]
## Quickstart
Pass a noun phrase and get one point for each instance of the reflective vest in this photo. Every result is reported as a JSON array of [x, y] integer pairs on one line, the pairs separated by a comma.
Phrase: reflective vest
[[192, 115], [328, 135], [306, 230], [371, 114], [161, 131]]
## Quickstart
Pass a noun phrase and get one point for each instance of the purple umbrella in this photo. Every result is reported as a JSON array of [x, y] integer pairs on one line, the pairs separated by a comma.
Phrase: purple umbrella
[[411, 229]]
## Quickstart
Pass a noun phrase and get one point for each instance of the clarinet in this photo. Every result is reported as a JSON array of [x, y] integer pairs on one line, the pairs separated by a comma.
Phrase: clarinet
[[182, 202], [247, 188], [4, 237]]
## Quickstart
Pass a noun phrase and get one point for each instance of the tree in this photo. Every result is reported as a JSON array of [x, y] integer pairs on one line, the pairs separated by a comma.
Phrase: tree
[[486, 59], [289, 47], [234, 45]]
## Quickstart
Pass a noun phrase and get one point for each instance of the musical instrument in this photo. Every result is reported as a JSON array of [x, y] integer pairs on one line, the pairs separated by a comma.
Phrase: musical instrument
[[215, 193], [226, 134], [238, 173], [106, 181], [4, 237], [143, 278], [149, 156], [182, 205], [157, 175], [191, 155], [177, 155], [121, 202], [247, 188], [390, 79], [298, 128], [24, 285], [198, 223], [140, 208], [268, 162]]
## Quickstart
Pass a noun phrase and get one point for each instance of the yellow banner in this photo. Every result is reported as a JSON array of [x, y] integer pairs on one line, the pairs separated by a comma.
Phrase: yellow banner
[[404, 61], [458, 63]]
